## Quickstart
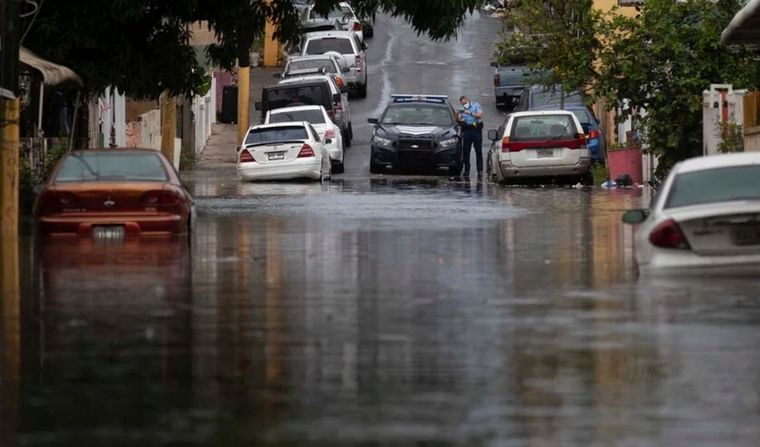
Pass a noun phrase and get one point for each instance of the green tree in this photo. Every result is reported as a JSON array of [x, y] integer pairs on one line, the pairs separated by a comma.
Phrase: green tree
[[142, 46], [652, 68], [657, 65], [558, 37]]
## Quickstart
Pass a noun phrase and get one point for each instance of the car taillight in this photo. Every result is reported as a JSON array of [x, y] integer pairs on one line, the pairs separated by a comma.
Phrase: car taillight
[[581, 142], [496, 80], [331, 114], [505, 147], [668, 234], [161, 197], [246, 156], [339, 82], [306, 151], [329, 133], [357, 26], [358, 59], [51, 201], [594, 134]]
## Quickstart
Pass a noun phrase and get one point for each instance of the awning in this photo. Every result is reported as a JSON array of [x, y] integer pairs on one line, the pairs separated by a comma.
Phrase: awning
[[52, 74], [744, 28]]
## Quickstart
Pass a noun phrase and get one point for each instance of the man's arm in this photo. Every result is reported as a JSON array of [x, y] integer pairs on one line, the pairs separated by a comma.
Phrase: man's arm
[[478, 112]]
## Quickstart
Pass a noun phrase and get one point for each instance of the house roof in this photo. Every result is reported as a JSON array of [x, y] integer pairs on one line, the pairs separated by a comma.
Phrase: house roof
[[52, 74], [744, 28]]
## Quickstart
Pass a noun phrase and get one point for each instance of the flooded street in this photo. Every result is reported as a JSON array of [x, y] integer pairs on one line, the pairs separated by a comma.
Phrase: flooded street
[[382, 310]]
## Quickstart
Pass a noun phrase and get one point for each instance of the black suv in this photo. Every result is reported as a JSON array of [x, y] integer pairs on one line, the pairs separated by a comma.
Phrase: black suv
[[416, 131], [316, 92]]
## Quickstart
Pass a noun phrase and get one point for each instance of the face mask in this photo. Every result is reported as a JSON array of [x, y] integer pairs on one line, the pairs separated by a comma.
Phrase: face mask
[[467, 105]]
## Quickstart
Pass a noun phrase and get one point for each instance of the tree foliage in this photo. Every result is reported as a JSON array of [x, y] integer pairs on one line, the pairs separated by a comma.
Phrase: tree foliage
[[142, 47], [652, 67]]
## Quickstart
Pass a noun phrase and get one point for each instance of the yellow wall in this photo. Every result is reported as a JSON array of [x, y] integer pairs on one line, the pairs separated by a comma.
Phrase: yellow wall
[[607, 5]]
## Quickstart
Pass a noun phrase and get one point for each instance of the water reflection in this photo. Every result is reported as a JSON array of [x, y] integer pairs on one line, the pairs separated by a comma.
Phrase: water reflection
[[110, 350]]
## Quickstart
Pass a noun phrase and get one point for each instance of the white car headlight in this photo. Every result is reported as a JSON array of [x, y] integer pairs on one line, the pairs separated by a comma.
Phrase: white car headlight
[[382, 141], [449, 142]]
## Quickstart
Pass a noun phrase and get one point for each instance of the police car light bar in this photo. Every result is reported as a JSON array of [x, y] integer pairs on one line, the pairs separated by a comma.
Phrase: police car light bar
[[437, 99]]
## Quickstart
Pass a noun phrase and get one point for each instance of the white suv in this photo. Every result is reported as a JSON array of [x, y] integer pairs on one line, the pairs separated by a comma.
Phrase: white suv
[[539, 146], [348, 44]]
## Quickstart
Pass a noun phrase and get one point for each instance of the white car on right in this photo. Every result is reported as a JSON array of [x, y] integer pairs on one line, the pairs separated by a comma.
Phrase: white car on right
[[705, 219]]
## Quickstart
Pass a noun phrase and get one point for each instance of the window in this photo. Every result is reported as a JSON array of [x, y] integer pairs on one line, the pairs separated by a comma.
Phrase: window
[[276, 135], [336, 13], [104, 166], [715, 185], [314, 134], [312, 63], [284, 95], [314, 116], [542, 127], [418, 114], [321, 46], [553, 96]]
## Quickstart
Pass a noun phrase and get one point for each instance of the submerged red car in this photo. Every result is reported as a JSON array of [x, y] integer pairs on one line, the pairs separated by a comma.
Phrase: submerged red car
[[113, 193]]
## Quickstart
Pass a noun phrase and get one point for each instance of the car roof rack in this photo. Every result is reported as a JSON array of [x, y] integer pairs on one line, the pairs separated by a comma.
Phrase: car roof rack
[[432, 99]]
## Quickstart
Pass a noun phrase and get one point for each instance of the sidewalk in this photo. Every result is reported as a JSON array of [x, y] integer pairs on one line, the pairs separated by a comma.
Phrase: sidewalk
[[221, 146]]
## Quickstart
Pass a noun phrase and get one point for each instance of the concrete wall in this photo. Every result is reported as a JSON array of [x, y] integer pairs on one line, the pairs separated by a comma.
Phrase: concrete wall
[[150, 134]]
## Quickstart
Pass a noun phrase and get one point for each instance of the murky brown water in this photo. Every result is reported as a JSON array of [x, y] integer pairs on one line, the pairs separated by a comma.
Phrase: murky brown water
[[399, 311]]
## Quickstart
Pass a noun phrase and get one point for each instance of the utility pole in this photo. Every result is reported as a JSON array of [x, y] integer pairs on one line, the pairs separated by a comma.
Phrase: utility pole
[[10, 356]]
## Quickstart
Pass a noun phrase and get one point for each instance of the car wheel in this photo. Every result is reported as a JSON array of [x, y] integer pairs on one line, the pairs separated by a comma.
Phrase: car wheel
[[346, 138], [350, 130], [363, 89], [587, 179], [375, 168]]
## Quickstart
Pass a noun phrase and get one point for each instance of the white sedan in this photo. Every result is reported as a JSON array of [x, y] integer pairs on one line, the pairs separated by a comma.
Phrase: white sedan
[[705, 219], [317, 116], [283, 151]]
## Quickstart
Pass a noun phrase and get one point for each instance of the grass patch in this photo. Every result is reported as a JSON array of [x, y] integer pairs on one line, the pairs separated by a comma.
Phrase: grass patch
[[600, 172]]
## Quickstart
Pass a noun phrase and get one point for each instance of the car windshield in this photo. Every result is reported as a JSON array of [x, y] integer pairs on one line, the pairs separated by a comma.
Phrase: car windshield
[[323, 45], [104, 166], [542, 98], [418, 114], [311, 116], [336, 13], [284, 95], [715, 185], [276, 134], [542, 127], [328, 65], [582, 115]]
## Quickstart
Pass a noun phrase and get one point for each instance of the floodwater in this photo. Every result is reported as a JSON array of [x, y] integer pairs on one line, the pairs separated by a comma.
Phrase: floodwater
[[385, 311]]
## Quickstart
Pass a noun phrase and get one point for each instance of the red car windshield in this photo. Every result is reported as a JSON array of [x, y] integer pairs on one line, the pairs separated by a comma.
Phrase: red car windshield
[[104, 166]]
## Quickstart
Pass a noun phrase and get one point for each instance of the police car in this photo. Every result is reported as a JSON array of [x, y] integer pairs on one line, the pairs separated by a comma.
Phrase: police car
[[416, 131]]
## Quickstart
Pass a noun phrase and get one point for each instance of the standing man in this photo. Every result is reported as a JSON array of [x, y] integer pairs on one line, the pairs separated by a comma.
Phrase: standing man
[[471, 120]]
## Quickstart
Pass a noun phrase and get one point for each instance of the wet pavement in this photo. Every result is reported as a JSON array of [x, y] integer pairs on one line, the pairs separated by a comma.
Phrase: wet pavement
[[382, 311]]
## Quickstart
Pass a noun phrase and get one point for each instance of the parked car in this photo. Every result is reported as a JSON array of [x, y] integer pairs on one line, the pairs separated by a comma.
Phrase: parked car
[[340, 18], [590, 124], [418, 131], [509, 81], [539, 146], [110, 194], [348, 45], [328, 131], [283, 151], [331, 62], [537, 96], [704, 219], [342, 115]]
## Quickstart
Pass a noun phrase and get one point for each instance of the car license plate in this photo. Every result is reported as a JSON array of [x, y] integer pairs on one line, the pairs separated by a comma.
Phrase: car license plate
[[276, 156], [747, 235], [545, 153], [108, 233]]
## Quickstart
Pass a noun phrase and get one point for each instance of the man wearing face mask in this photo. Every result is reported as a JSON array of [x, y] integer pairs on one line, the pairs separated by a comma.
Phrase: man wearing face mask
[[471, 120]]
